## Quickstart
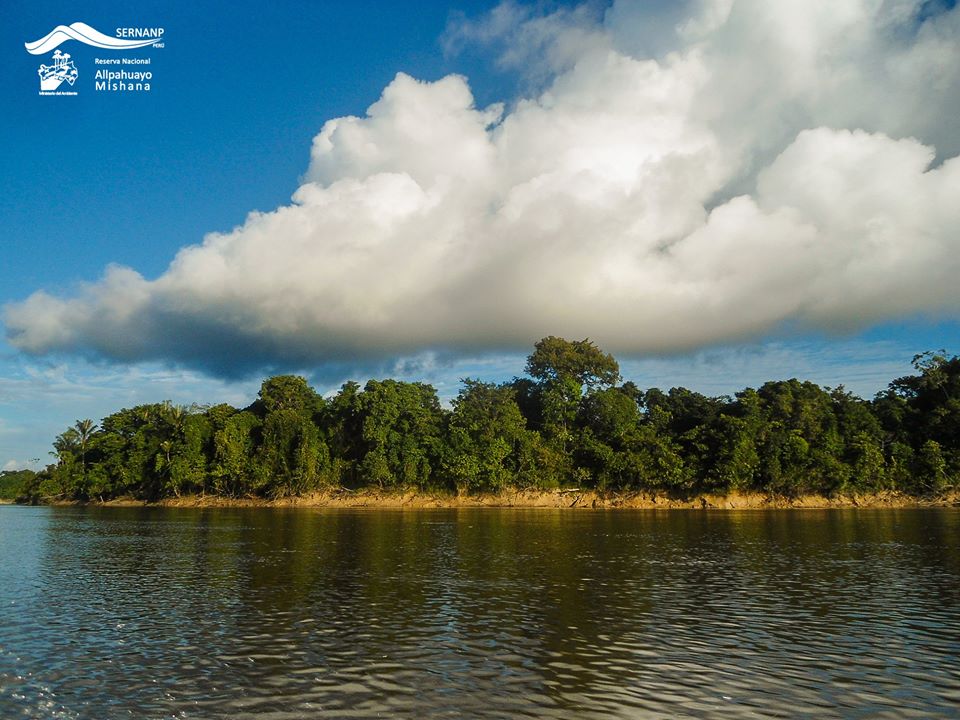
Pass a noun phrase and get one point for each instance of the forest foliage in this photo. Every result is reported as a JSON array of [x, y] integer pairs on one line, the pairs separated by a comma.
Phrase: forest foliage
[[571, 423]]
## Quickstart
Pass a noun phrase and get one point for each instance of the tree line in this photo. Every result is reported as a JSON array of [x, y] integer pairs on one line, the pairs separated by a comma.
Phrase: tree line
[[570, 422]]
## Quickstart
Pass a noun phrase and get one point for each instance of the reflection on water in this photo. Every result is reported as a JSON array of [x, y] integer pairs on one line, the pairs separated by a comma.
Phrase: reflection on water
[[288, 613]]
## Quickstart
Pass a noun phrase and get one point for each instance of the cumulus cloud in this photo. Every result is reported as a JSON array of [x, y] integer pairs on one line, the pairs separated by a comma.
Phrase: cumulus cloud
[[680, 180]]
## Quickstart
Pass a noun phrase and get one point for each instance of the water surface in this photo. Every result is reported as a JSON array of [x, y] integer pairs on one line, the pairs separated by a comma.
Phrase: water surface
[[289, 613]]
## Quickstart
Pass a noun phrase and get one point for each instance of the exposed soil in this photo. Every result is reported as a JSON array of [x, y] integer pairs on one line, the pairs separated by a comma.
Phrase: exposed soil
[[568, 498]]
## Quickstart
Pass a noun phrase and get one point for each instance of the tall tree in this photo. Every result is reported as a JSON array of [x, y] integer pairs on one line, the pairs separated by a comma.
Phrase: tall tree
[[555, 359], [485, 434], [563, 369], [401, 433]]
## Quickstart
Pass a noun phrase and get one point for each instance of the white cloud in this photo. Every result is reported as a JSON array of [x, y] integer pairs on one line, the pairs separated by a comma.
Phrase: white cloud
[[749, 165]]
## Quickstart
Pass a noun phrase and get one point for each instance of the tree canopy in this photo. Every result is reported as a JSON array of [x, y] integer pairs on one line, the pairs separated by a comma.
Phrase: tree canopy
[[556, 360], [568, 424]]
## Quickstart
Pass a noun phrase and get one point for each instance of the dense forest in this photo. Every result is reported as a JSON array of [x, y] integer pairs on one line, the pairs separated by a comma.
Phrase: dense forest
[[13, 482], [570, 423]]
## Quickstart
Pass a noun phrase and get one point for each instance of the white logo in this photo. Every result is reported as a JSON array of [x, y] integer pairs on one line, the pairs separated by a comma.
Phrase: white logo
[[82, 32], [52, 76]]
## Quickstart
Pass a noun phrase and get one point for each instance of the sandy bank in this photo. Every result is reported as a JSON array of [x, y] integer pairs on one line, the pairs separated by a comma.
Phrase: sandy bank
[[584, 499]]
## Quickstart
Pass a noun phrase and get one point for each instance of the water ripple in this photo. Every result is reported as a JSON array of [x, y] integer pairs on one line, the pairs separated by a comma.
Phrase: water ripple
[[293, 613]]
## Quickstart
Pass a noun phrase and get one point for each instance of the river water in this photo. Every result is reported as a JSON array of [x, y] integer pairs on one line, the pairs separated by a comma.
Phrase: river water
[[303, 613]]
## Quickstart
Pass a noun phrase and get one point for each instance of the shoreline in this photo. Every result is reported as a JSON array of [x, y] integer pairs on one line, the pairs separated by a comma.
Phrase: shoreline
[[573, 499]]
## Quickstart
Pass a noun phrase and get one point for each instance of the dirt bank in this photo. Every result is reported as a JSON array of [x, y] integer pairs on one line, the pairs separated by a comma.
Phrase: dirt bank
[[372, 498]]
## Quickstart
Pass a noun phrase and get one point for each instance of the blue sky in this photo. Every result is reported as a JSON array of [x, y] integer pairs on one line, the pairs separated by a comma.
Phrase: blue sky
[[138, 177], [242, 88]]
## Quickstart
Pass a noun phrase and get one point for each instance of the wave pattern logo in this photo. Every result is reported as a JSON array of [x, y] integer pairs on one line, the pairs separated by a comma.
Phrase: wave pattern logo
[[82, 32], [52, 76]]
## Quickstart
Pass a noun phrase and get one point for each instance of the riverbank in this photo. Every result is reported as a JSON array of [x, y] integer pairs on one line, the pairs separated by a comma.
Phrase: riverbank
[[568, 498]]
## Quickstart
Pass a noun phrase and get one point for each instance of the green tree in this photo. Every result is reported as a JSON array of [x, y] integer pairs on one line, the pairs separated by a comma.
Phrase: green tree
[[288, 392], [932, 467], [867, 463], [401, 429], [234, 444], [801, 449], [735, 462], [342, 421], [555, 359], [15, 484], [659, 464], [567, 423], [485, 434], [609, 437], [292, 457], [85, 429], [564, 369], [931, 406]]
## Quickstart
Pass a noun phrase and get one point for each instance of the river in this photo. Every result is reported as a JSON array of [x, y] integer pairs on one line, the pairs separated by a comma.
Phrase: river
[[298, 612]]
